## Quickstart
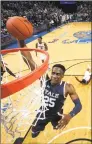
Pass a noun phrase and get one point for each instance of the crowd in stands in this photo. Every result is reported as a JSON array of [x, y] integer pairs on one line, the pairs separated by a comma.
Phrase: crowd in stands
[[41, 12]]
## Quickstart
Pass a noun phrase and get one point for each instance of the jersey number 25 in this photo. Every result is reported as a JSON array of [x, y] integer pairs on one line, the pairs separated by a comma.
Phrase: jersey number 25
[[49, 101]]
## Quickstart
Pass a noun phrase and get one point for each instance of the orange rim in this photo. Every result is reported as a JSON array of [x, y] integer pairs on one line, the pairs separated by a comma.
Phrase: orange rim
[[20, 83]]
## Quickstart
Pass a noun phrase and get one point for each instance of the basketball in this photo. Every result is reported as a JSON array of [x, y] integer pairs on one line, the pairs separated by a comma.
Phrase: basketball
[[19, 27]]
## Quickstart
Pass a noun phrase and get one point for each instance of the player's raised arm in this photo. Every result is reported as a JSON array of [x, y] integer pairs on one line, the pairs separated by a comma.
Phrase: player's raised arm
[[27, 55], [77, 108], [23, 26]]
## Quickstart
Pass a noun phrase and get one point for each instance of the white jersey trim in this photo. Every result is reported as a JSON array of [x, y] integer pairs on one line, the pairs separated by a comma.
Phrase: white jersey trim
[[64, 90]]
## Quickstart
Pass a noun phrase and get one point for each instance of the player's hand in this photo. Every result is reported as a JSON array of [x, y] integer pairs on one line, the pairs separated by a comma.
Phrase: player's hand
[[64, 121], [5, 63]]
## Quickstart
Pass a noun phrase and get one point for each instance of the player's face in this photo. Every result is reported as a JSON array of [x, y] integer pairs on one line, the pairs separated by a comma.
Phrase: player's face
[[39, 40], [56, 75]]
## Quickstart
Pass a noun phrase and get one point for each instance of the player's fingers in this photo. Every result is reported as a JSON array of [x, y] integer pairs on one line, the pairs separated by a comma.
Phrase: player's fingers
[[63, 127], [60, 125], [61, 122]]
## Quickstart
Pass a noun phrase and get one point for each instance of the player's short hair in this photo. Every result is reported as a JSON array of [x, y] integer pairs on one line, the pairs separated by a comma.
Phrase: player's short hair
[[40, 37], [60, 66]]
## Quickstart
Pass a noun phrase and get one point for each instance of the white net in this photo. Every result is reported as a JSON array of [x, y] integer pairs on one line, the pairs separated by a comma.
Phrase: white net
[[18, 111]]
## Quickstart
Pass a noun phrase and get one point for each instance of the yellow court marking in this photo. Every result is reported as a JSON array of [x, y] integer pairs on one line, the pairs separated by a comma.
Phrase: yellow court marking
[[77, 57]]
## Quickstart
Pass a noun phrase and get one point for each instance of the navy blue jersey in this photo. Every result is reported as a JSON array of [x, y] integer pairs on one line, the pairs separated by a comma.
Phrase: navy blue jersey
[[54, 97]]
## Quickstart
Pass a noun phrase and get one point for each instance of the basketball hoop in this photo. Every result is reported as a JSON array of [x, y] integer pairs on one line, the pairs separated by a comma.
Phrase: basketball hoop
[[21, 97], [20, 83]]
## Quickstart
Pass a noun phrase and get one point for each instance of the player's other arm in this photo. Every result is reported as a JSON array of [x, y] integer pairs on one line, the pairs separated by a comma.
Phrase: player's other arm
[[75, 99], [77, 108], [26, 54], [46, 47]]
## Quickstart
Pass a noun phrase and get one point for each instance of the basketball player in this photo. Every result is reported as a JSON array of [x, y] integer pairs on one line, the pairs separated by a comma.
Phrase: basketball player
[[43, 46], [27, 55], [4, 69], [55, 94], [86, 78]]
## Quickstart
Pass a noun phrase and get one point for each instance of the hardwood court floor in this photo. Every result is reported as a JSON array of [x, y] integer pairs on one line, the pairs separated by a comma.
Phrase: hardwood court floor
[[75, 57]]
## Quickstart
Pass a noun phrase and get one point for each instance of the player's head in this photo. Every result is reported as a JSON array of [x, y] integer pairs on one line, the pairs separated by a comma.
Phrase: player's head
[[39, 39], [57, 74], [88, 68]]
